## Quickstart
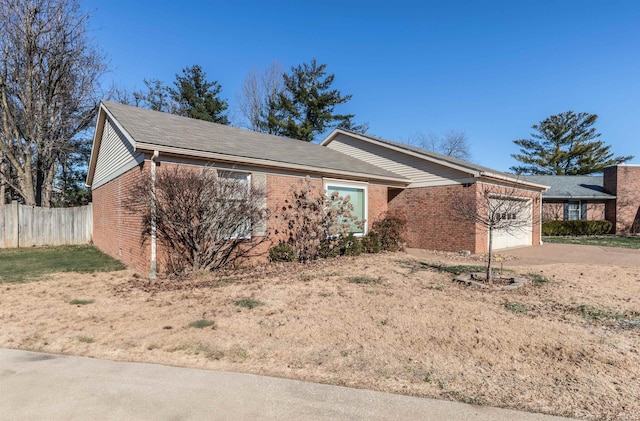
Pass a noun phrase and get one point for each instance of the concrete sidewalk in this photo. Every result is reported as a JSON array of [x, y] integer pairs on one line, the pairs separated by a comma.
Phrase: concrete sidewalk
[[35, 386]]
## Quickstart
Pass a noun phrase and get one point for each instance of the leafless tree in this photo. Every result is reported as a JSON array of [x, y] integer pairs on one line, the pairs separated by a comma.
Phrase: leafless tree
[[204, 217], [493, 208], [258, 91], [453, 143], [123, 95], [49, 72]]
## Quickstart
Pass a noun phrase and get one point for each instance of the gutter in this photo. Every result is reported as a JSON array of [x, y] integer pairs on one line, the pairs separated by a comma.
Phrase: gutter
[[513, 180], [578, 197], [154, 261], [140, 146]]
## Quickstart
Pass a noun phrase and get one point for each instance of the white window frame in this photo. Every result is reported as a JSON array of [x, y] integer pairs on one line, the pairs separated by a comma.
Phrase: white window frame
[[352, 185], [569, 210], [247, 236]]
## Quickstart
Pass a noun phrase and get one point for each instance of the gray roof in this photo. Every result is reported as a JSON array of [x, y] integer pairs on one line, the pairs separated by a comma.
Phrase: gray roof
[[571, 186], [189, 135]]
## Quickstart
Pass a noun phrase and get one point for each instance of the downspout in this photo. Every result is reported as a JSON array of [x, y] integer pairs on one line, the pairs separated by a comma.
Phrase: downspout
[[154, 265]]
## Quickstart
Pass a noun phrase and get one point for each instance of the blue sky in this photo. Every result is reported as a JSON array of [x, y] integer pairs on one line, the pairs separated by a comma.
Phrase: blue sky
[[489, 68]]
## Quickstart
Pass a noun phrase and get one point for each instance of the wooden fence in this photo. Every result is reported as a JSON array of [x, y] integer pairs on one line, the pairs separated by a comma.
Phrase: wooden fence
[[28, 226]]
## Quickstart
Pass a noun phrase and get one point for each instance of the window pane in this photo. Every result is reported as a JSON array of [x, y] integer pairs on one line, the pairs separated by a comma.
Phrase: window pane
[[356, 198], [574, 211]]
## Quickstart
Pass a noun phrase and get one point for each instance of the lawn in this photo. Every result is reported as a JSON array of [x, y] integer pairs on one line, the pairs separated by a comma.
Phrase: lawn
[[568, 343], [629, 242], [19, 265]]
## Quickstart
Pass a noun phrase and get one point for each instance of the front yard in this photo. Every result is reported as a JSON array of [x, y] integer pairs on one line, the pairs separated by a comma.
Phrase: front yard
[[19, 265], [568, 343]]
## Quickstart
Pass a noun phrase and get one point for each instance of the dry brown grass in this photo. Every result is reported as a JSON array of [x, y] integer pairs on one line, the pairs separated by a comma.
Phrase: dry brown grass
[[562, 349]]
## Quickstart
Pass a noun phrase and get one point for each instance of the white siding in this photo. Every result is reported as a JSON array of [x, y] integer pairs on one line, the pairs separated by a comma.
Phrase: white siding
[[116, 155], [419, 171]]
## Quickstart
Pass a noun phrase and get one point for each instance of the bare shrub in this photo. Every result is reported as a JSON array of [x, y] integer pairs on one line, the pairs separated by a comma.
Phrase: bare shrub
[[204, 217], [494, 208], [311, 220], [390, 230]]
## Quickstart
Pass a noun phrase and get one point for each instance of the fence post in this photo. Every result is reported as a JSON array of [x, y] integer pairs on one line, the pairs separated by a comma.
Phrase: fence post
[[12, 225]]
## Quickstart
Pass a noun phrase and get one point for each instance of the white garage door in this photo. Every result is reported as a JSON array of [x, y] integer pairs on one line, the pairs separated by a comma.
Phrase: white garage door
[[518, 237]]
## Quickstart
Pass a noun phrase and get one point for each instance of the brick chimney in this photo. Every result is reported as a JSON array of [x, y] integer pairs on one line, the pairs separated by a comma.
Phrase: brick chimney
[[623, 181]]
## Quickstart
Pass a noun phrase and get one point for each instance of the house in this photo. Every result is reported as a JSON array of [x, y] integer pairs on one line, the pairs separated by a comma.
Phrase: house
[[613, 196], [130, 141], [572, 197], [436, 182]]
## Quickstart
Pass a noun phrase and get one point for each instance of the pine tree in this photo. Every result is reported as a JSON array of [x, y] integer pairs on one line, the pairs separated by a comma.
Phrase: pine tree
[[565, 144], [306, 106], [198, 98]]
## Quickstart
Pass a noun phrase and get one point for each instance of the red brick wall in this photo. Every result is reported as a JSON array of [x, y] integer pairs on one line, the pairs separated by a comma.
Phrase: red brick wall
[[432, 223], [554, 211], [279, 187], [117, 231], [377, 203], [624, 212]]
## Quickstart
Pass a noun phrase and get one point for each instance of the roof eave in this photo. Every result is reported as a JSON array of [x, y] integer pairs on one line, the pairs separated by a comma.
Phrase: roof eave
[[148, 147], [565, 197], [95, 146], [515, 180]]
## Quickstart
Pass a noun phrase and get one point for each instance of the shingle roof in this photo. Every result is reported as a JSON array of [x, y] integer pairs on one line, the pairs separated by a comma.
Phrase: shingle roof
[[191, 135], [571, 186]]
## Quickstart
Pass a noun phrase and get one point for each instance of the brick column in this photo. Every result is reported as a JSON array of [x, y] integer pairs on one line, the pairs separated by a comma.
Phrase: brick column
[[624, 213]]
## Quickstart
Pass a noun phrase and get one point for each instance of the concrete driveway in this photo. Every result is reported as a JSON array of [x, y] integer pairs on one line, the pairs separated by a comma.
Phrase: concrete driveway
[[570, 253], [35, 386]]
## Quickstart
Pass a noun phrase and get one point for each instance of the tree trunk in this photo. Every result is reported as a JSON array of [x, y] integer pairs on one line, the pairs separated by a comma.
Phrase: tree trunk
[[489, 260]]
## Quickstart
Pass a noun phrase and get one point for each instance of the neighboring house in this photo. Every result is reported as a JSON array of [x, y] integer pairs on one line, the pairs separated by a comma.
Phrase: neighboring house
[[572, 197], [613, 196], [383, 175]]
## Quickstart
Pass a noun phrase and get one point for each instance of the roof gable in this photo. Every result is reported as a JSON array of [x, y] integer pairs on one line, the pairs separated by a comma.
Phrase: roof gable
[[472, 170]]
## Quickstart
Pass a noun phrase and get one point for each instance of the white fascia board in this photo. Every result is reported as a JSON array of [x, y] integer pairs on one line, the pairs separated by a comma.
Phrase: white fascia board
[[514, 180]]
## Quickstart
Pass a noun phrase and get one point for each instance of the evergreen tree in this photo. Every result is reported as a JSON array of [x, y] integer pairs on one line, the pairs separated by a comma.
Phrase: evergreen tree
[[306, 106], [196, 97], [565, 144]]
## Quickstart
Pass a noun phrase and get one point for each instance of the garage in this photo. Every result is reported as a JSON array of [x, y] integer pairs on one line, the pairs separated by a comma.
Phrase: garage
[[515, 226]]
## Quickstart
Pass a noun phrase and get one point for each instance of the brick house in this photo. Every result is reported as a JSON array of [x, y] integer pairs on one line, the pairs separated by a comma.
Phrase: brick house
[[613, 196], [379, 176]]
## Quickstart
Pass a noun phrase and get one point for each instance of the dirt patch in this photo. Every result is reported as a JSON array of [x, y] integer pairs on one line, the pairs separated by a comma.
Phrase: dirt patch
[[567, 344]]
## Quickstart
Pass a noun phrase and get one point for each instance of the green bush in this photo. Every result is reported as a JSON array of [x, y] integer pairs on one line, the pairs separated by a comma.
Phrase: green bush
[[283, 252], [350, 245], [328, 249], [390, 230], [578, 227], [371, 243]]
